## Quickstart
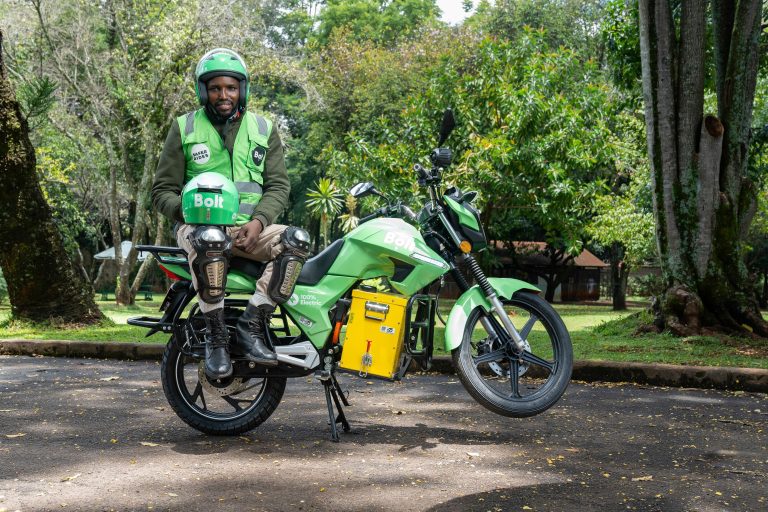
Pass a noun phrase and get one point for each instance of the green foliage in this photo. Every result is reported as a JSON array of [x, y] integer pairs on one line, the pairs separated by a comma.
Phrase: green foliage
[[622, 220], [288, 23], [650, 285], [757, 241], [349, 220], [533, 136], [620, 33], [325, 203], [567, 23], [56, 181], [36, 98], [380, 21]]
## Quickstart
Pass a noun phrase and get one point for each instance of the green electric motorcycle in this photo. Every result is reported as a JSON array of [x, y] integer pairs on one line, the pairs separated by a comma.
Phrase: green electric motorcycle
[[509, 347]]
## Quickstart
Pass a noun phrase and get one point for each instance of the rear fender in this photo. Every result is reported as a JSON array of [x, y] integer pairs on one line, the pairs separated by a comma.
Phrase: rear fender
[[474, 297]]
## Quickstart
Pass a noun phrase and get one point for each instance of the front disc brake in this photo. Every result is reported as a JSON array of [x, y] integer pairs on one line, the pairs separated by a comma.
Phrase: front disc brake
[[490, 345]]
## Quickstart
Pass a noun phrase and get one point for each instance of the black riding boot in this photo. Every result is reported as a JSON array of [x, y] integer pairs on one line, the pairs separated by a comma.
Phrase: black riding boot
[[252, 334], [217, 362]]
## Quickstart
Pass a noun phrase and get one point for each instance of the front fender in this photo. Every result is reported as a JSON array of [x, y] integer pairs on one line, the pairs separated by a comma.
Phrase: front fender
[[474, 297]]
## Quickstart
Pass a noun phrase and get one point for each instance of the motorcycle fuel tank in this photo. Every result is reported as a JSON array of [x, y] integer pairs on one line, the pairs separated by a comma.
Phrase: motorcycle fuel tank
[[391, 248]]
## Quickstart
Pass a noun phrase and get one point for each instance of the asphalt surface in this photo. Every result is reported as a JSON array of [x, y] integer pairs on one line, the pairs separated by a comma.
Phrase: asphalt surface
[[706, 377], [93, 435]]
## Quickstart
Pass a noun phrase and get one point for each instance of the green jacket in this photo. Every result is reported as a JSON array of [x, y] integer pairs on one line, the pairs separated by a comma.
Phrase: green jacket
[[171, 170]]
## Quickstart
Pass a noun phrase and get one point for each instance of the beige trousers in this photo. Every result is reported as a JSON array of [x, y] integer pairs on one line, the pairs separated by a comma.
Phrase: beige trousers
[[268, 248]]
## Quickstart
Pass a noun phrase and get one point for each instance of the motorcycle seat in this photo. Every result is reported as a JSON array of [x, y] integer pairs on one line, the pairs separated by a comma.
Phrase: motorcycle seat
[[251, 268], [316, 267]]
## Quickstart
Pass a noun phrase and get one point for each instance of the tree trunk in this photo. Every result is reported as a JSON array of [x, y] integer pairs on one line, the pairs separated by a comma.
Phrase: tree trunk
[[703, 198], [43, 283], [618, 278], [549, 293], [144, 268]]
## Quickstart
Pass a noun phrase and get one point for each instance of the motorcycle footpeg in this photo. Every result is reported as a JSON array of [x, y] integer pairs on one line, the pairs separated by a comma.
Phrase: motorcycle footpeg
[[252, 362]]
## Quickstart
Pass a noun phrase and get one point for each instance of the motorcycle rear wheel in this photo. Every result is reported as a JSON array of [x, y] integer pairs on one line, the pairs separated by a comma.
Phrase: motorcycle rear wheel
[[222, 408], [514, 384]]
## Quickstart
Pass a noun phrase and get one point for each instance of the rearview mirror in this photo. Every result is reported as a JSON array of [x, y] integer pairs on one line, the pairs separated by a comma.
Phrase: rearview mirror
[[447, 126], [362, 189]]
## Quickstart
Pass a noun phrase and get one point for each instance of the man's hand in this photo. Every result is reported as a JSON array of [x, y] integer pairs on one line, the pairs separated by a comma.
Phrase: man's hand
[[246, 238]]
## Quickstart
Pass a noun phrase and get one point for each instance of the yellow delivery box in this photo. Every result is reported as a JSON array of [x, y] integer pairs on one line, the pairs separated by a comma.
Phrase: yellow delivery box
[[374, 337]]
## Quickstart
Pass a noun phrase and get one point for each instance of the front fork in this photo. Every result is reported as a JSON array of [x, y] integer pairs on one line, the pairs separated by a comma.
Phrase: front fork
[[493, 299]]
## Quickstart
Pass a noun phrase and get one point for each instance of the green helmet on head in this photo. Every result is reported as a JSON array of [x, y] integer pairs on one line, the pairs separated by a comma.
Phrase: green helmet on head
[[210, 198], [221, 62]]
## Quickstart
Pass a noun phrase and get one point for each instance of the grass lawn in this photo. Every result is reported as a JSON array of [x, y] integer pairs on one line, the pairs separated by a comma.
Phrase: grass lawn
[[597, 332]]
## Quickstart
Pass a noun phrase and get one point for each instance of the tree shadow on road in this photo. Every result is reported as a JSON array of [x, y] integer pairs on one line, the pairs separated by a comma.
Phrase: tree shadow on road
[[555, 496]]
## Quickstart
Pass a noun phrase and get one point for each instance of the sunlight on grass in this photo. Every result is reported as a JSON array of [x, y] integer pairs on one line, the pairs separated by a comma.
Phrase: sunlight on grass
[[112, 329]]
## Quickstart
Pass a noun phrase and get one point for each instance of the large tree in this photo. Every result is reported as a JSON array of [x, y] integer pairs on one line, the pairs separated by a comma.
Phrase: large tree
[[42, 281], [704, 196]]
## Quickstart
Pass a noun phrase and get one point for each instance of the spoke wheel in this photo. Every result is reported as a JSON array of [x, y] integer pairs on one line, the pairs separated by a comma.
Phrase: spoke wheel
[[228, 406], [505, 380]]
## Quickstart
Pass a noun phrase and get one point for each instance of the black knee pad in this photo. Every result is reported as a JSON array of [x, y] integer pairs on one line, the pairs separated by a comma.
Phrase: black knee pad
[[213, 247], [288, 265]]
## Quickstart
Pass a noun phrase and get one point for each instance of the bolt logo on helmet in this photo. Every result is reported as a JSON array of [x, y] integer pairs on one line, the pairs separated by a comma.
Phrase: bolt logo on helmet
[[210, 198], [221, 62]]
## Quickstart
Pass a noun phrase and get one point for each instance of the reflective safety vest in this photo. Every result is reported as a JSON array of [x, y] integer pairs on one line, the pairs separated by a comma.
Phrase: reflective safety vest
[[205, 151]]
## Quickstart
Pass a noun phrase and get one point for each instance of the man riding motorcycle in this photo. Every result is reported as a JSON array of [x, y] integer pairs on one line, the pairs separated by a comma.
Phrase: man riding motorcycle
[[222, 138]]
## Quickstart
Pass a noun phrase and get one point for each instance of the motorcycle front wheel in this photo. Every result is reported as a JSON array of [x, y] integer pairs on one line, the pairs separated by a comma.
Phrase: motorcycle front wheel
[[505, 380], [225, 407]]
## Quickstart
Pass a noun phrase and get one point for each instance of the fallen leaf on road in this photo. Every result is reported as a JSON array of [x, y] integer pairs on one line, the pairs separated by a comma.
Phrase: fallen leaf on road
[[11, 436], [473, 454], [642, 478], [147, 443], [70, 478]]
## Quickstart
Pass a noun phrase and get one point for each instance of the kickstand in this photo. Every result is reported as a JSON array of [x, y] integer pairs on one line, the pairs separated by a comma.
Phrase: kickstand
[[333, 392]]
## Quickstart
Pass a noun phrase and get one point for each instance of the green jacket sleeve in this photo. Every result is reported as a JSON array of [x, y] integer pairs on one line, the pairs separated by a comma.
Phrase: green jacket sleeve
[[276, 185], [169, 177]]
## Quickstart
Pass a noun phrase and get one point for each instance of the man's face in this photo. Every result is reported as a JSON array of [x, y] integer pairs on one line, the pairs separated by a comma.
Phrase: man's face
[[223, 94]]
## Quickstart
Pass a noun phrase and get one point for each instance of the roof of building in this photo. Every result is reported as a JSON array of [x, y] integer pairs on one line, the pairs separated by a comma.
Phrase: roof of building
[[533, 254]]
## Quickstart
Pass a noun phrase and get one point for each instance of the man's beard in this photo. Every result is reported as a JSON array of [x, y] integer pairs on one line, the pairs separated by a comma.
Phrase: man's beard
[[217, 117]]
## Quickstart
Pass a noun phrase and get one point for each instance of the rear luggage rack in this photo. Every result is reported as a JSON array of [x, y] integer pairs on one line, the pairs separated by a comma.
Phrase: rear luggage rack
[[153, 323], [163, 254]]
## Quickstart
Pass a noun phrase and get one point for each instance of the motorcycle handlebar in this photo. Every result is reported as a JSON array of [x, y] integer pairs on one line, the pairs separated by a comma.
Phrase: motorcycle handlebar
[[373, 215], [421, 172], [389, 210], [408, 212]]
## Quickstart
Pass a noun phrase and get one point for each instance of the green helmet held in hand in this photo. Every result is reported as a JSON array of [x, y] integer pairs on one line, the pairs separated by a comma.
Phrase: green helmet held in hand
[[210, 198], [221, 62]]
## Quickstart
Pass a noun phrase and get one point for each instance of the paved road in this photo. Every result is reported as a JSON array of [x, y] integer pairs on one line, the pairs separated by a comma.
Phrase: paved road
[[98, 435]]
